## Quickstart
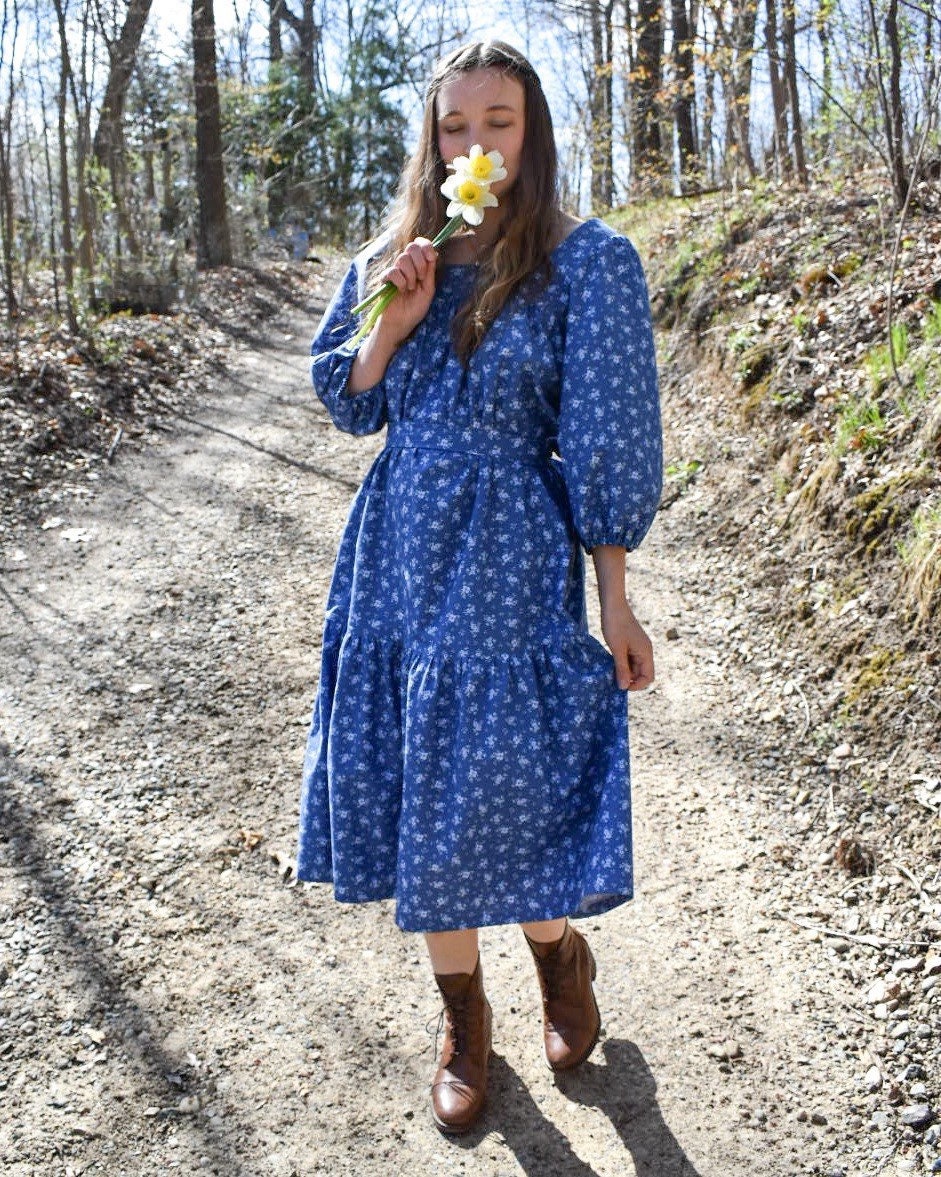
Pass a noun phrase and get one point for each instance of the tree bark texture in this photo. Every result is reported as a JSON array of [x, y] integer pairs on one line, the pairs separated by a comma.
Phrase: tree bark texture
[[790, 77], [782, 158], [684, 104], [648, 166], [213, 246]]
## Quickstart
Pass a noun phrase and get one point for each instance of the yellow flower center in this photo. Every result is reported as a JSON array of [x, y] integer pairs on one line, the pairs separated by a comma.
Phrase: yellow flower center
[[469, 191], [481, 167]]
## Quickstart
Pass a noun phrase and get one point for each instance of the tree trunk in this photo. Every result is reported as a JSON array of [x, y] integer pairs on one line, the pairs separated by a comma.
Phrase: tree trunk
[[275, 50], [308, 41], [744, 26], [782, 156], [6, 178], [684, 105], [895, 127], [65, 199], [109, 136], [600, 102], [213, 244], [50, 185], [790, 77], [824, 115], [648, 164]]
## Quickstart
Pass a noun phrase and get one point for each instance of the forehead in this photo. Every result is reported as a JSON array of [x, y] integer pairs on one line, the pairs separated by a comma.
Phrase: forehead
[[477, 90]]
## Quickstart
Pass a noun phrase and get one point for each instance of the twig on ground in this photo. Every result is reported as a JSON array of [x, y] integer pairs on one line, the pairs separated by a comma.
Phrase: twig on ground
[[866, 941], [115, 442], [803, 699]]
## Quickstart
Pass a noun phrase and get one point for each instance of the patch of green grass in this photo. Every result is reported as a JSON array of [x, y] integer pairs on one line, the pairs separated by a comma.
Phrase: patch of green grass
[[860, 425], [684, 472], [932, 324], [921, 560]]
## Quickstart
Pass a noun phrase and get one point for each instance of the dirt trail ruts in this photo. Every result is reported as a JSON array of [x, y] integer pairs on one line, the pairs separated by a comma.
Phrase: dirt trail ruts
[[170, 999]]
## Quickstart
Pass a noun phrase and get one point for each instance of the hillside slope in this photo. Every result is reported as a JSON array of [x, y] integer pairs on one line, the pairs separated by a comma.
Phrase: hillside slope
[[809, 461]]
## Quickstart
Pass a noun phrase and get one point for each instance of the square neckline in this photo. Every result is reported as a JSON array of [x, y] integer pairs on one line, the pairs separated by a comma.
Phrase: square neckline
[[552, 253]]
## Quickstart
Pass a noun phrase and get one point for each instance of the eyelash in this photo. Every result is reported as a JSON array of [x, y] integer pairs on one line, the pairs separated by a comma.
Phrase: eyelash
[[457, 130]]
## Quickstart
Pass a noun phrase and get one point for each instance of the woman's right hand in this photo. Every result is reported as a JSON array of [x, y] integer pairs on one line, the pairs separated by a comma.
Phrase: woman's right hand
[[413, 273]]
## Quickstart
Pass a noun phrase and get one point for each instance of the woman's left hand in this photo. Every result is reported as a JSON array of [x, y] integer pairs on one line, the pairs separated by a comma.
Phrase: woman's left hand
[[630, 645]]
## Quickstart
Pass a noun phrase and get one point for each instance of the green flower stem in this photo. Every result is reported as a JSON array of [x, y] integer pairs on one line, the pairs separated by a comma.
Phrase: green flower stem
[[377, 302]]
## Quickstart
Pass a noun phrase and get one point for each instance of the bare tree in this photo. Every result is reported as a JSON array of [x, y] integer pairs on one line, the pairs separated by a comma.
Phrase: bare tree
[[790, 78], [684, 102], [6, 142], [213, 246], [649, 164], [782, 158], [601, 103]]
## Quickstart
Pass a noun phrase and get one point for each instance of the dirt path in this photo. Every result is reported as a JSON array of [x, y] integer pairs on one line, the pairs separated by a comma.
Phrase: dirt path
[[169, 998]]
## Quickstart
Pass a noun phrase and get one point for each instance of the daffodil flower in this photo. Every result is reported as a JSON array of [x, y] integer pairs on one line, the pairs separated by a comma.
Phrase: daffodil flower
[[468, 193], [487, 167], [468, 197]]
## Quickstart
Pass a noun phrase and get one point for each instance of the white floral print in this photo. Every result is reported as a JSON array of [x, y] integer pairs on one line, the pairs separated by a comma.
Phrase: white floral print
[[468, 751]]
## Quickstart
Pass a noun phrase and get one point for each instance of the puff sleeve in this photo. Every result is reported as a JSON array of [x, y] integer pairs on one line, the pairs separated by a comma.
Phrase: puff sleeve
[[332, 358], [609, 431]]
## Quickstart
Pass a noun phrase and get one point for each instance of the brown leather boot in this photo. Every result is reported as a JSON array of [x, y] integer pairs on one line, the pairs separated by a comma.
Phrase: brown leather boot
[[459, 1088], [571, 1021]]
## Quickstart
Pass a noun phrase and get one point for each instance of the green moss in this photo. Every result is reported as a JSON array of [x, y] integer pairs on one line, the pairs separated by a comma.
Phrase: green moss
[[881, 508], [874, 674], [756, 363]]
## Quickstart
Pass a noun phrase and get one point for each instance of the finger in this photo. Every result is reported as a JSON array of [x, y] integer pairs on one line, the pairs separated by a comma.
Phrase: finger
[[407, 266], [642, 671], [623, 672]]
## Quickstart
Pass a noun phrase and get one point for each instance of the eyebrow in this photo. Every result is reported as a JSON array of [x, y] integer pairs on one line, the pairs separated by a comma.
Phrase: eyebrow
[[496, 106]]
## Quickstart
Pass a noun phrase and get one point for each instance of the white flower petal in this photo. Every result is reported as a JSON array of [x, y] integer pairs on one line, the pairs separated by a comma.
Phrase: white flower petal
[[473, 216], [488, 200]]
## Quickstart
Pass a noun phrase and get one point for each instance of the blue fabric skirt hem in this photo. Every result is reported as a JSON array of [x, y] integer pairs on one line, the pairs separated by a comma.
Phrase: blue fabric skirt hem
[[591, 904]]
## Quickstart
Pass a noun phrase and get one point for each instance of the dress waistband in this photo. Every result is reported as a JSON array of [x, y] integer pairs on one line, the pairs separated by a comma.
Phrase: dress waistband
[[470, 439]]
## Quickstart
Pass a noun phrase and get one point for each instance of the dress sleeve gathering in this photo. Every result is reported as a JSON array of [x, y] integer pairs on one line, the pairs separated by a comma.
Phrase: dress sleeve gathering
[[609, 433], [332, 357]]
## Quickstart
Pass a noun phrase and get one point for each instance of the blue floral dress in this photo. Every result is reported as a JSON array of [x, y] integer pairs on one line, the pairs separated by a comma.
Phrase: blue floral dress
[[468, 752]]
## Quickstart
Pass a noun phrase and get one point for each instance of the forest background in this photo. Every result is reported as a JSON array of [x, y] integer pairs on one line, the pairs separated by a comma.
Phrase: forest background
[[777, 163], [180, 189]]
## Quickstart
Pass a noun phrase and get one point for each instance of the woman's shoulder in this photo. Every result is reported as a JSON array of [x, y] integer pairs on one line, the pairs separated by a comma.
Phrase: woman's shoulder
[[579, 241]]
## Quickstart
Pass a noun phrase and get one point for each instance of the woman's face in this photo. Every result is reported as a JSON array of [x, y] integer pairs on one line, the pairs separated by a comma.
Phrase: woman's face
[[483, 106]]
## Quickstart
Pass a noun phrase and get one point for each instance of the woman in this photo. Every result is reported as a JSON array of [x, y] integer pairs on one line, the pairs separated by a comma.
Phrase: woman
[[468, 752]]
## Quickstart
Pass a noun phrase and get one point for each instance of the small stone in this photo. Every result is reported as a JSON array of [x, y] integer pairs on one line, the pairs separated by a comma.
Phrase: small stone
[[901, 1030], [922, 1030], [876, 993], [907, 964], [929, 983], [817, 1117], [672, 634], [879, 1121], [801, 1117], [932, 965], [841, 752], [912, 1072], [917, 1115], [873, 1079]]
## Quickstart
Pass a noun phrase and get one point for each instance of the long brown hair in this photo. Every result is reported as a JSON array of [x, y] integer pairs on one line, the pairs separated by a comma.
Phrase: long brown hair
[[531, 207]]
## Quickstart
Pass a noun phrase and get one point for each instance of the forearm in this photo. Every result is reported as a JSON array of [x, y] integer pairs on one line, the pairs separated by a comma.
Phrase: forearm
[[609, 560], [371, 362]]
